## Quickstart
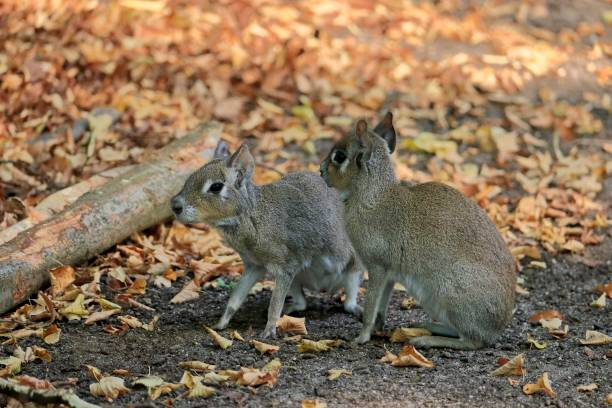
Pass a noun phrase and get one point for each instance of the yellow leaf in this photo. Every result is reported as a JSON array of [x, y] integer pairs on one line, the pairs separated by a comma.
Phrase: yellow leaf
[[214, 378], [536, 344], [94, 372], [265, 348], [334, 373], [306, 345], [200, 390], [108, 305], [42, 354], [196, 365], [220, 340], [573, 246], [12, 366], [516, 366], [162, 389], [403, 334], [76, 309], [270, 107], [273, 365], [292, 325], [431, 143], [109, 388], [236, 336], [600, 302], [596, 338], [543, 385]]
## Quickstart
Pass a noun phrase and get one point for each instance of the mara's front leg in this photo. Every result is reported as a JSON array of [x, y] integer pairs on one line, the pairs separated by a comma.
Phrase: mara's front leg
[[284, 276], [249, 277], [375, 293]]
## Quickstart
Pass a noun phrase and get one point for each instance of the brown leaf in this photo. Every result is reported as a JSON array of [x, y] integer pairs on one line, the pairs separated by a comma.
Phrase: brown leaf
[[35, 383], [306, 345], [265, 348], [546, 315], [314, 404], [607, 289], [335, 373], [196, 365], [516, 366], [109, 388], [587, 387], [409, 356], [102, 315], [292, 325], [51, 335], [543, 385], [596, 338], [404, 334], [189, 292], [61, 278]]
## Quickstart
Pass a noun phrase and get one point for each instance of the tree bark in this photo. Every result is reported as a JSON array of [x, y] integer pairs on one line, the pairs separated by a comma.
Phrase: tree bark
[[102, 217]]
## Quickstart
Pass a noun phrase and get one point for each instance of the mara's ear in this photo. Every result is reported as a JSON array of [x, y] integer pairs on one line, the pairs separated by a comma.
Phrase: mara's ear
[[365, 143], [222, 150], [242, 163], [385, 130]]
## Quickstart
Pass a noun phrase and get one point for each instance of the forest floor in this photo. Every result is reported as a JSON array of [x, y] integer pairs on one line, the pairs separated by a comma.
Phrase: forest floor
[[507, 101]]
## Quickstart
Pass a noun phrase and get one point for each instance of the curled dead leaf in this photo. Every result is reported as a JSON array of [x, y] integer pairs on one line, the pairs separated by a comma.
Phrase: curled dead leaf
[[61, 277], [292, 325], [335, 373], [403, 334], [410, 357], [51, 335], [109, 388], [596, 338], [265, 348], [515, 366], [99, 316], [535, 343], [189, 292], [600, 302], [76, 309], [236, 336], [220, 340], [542, 385], [35, 383], [587, 387], [546, 315], [94, 372], [305, 345], [607, 289], [196, 365]]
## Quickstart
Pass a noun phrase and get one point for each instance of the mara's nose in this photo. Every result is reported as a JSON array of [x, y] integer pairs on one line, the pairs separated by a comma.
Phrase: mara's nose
[[177, 205]]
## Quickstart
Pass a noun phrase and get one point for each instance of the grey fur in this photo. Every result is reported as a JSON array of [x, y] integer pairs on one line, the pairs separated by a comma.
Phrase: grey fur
[[431, 238], [292, 229]]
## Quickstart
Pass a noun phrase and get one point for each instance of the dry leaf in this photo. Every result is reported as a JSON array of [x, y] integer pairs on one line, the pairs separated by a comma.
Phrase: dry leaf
[[108, 305], [94, 372], [516, 366], [546, 315], [543, 385], [403, 334], [273, 365], [265, 348], [109, 388], [596, 338], [314, 404], [600, 302], [51, 335], [214, 378], [607, 289], [335, 373], [560, 332], [12, 366], [587, 387], [236, 336], [61, 278], [196, 366], [76, 309], [552, 324], [536, 344], [98, 316], [199, 390], [292, 325], [189, 292], [306, 345], [409, 356], [35, 383], [220, 340], [162, 389], [253, 377], [138, 287]]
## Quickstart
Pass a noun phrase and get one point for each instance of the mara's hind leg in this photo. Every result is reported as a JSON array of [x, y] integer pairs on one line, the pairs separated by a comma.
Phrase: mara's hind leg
[[446, 342], [383, 307], [351, 289], [298, 300], [439, 329]]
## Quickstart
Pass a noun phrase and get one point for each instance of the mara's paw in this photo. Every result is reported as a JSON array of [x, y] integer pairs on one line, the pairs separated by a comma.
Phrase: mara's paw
[[362, 338], [220, 325], [268, 333], [355, 310]]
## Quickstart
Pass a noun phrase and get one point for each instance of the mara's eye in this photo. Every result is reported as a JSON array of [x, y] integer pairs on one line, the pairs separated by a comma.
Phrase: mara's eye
[[215, 188], [338, 157]]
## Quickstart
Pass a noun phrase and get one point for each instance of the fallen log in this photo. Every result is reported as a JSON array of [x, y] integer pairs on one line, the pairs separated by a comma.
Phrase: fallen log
[[102, 217]]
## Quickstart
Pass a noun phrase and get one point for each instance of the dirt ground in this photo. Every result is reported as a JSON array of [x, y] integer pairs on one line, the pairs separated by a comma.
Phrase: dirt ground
[[458, 378]]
